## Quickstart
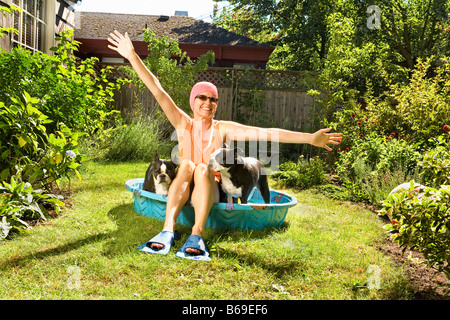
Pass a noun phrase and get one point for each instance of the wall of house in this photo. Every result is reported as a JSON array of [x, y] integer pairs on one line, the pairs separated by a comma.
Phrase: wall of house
[[5, 21], [59, 15]]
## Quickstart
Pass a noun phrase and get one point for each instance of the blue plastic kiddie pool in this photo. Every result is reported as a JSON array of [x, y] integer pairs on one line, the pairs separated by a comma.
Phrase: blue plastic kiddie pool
[[253, 215]]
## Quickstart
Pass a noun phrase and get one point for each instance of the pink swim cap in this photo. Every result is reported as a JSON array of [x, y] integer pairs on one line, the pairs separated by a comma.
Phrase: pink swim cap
[[200, 87]]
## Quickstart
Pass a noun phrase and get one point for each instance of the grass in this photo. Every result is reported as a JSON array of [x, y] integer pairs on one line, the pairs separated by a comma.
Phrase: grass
[[322, 251]]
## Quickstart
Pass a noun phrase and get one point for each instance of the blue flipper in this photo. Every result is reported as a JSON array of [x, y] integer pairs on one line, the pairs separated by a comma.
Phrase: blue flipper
[[195, 242], [166, 238]]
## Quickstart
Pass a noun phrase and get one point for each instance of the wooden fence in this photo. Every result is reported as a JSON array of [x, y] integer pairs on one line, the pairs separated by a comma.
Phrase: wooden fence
[[253, 97]]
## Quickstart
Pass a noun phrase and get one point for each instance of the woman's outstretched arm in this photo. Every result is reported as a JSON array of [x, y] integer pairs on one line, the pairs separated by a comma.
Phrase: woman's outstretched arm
[[238, 132], [123, 45]]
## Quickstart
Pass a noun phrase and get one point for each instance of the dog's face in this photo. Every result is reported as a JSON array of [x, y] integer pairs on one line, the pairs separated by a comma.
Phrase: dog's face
[[224, 158], [163, 171]]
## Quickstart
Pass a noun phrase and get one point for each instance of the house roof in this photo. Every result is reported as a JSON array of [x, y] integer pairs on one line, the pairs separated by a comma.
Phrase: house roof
[[94, 25]]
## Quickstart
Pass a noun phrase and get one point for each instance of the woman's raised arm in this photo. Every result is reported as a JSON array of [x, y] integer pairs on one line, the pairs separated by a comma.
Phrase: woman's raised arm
[[123, 45]]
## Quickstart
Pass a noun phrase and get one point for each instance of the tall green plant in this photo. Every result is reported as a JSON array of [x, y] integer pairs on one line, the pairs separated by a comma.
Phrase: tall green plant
[[4, 11], [420, 219], [28, 151], [20, 202], [68, 90]]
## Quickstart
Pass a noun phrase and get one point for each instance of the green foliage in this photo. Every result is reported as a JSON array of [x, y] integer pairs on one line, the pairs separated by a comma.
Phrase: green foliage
[[28, 152], [136, 140], [20, 202], [46, 101], [177, 76], [302, 31], [68, 90], [373, 165], [4, 11], [297, 29], [419, 107], [303, 174], [381, 153], [420, 219], [435, 167], [414, 30], [245, 21], [335, 192]]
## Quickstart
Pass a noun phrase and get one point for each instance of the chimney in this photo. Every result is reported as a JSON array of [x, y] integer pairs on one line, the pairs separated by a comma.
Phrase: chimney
[[181, 13]]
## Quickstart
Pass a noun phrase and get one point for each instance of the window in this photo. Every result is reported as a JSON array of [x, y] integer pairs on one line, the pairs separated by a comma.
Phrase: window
[[30, 23]]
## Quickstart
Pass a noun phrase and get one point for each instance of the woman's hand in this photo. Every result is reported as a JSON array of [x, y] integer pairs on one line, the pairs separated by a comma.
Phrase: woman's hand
[[122, 44], [321, 138]]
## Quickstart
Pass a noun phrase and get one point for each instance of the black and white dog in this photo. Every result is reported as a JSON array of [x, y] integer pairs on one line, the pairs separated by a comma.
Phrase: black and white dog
[[159, 176], [239, 174]]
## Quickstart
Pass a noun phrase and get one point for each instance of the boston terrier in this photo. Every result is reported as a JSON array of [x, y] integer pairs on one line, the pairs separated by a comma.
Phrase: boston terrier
[[159, 176], [239, 174]]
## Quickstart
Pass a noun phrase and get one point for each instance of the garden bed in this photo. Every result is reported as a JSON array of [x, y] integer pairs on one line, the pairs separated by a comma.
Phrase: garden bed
[[425, 283]]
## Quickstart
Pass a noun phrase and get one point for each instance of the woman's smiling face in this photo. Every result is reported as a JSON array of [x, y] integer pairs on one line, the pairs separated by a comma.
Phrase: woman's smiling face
[[205, 105]]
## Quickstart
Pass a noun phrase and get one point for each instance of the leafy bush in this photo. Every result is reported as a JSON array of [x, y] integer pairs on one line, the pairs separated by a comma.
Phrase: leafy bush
[[20, 202], [420, 219], [303, 174], [67, 90], [435, 167], [416, 108], [136, 140], [374, 165], [381, 154], [45, 102], [28, 152]]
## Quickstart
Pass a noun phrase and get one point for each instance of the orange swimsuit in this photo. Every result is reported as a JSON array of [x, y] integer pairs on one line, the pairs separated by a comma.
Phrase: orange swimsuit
[[190, 149]]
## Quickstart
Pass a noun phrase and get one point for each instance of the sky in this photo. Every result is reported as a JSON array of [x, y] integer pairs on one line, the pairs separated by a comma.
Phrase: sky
[[199, 9]]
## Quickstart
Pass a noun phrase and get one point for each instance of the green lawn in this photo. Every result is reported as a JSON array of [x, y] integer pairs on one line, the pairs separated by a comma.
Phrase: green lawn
[[322, 251]]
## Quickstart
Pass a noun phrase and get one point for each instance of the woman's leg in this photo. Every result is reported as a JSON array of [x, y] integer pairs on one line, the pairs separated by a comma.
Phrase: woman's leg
[[205, 193], [178, 196]]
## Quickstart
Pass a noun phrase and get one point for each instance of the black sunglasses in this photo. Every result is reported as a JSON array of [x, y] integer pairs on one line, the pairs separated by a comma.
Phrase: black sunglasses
[[202, 97]]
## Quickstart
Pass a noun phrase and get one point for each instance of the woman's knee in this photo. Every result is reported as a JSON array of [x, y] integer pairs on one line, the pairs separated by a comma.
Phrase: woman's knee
[[202, 171], [186, 168]]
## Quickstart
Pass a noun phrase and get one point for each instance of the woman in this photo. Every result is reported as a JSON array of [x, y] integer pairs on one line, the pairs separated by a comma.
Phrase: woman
[[198, 137]]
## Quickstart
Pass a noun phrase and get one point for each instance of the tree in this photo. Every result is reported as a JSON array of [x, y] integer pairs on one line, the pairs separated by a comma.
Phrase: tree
[[300, 30], [412, 29], [296, 28]]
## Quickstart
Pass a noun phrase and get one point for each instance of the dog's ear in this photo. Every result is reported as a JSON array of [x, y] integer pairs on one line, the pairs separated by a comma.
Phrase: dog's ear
[[156, 157]]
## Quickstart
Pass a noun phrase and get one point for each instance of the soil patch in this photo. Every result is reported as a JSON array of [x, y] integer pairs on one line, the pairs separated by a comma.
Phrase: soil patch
[[425, 283]]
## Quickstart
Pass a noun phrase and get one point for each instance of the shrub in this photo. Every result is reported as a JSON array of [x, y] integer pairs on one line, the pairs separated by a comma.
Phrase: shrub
[[435, 167], [28, 152], [374, 165], [303, 174], [67, 90], [381, 154], [420, 219], [20, 202], [136, 140]]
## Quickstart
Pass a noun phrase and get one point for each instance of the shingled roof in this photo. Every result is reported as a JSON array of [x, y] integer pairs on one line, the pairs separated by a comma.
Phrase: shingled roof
[[93, 25]]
